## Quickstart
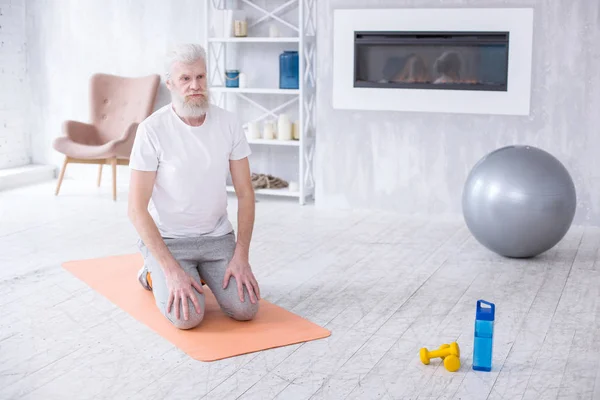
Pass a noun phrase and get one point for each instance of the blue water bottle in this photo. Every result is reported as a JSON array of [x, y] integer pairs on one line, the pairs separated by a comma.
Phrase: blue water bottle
[[484, 336]]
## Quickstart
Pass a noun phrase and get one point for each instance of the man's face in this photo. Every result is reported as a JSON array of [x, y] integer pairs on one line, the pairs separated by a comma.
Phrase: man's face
[[188, 84]]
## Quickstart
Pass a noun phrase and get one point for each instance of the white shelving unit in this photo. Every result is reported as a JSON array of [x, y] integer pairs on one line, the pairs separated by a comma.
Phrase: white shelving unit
[[302, 99], [255, 40]]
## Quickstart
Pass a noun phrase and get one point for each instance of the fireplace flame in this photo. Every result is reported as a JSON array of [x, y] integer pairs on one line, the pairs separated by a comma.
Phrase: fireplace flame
[[470, 81]]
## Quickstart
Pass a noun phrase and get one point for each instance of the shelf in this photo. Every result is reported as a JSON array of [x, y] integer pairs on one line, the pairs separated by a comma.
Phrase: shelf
[[224, 89], [270, 192], [263, 101], [255, 40], [275, 142]]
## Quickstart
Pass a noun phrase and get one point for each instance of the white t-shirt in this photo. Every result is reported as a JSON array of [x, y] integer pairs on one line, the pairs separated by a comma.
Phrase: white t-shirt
[[192, 163]]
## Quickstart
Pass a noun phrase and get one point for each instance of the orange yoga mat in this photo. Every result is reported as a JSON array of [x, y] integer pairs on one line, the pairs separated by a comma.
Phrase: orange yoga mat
[[217, 337]]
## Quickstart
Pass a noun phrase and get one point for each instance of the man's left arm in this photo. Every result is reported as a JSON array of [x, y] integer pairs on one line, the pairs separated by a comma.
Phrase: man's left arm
[[239, 267]]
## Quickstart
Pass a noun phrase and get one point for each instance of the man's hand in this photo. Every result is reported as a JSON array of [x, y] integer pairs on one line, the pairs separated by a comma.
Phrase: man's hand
[[240, 269], [181, 286]]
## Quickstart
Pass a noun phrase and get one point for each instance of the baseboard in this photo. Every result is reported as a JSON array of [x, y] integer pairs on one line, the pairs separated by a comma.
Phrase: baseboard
[[26, 175]]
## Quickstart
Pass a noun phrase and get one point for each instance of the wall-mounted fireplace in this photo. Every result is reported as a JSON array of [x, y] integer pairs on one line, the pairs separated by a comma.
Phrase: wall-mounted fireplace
[[431, 60], [457, 60]]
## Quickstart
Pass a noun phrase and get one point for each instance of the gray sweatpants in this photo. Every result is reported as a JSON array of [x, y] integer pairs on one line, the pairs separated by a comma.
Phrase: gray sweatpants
[[201, 257]]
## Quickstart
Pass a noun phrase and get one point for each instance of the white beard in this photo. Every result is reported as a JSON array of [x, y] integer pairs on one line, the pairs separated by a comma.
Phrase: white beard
[[190, 109]]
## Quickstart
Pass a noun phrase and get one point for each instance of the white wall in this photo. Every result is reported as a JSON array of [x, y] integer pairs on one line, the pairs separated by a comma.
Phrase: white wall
[[69, 40], [14, 138], [413, 163]]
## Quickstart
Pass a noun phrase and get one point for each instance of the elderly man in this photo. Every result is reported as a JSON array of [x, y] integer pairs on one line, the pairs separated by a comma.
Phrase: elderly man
[[178, 200]]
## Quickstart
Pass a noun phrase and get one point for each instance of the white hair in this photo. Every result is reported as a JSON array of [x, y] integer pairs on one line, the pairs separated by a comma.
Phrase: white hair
[[186, 53]]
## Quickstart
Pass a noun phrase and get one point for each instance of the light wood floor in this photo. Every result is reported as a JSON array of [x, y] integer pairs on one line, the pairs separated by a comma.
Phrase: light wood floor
[[385, 285]]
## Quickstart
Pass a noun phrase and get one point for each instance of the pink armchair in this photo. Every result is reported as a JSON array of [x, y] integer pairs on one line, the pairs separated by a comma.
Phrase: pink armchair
[[117, 106]]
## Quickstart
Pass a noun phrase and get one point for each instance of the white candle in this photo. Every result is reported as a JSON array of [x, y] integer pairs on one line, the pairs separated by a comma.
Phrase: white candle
[[269, 130], [273, 31], [284, 128], [254, 132], [242, 80]]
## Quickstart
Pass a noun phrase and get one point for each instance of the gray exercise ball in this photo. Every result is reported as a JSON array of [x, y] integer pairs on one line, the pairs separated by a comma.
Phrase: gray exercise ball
[[519, 201]]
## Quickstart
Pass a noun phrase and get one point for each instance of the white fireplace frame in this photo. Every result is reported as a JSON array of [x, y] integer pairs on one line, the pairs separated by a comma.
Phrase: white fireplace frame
[[515, 101]]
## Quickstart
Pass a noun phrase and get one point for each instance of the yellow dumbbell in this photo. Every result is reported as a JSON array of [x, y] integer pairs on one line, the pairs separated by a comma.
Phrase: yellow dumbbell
[[450, 353]]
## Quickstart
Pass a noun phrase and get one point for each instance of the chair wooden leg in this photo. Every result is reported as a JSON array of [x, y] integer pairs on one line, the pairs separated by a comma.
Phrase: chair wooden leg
[[61, 175], [113, 162], [100, 174]]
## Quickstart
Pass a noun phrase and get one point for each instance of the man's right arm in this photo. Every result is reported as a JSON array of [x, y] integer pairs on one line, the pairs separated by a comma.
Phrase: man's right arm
[[178, 282], [140, 191]]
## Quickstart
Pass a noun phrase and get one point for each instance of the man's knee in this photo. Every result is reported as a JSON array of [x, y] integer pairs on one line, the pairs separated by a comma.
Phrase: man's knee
[[192, 322], [244, 311], [194, 319]]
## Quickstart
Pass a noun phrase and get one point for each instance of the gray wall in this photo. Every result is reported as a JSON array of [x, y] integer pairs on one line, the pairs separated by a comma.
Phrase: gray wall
[[417, 163], [69, 40], [14, 138]]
